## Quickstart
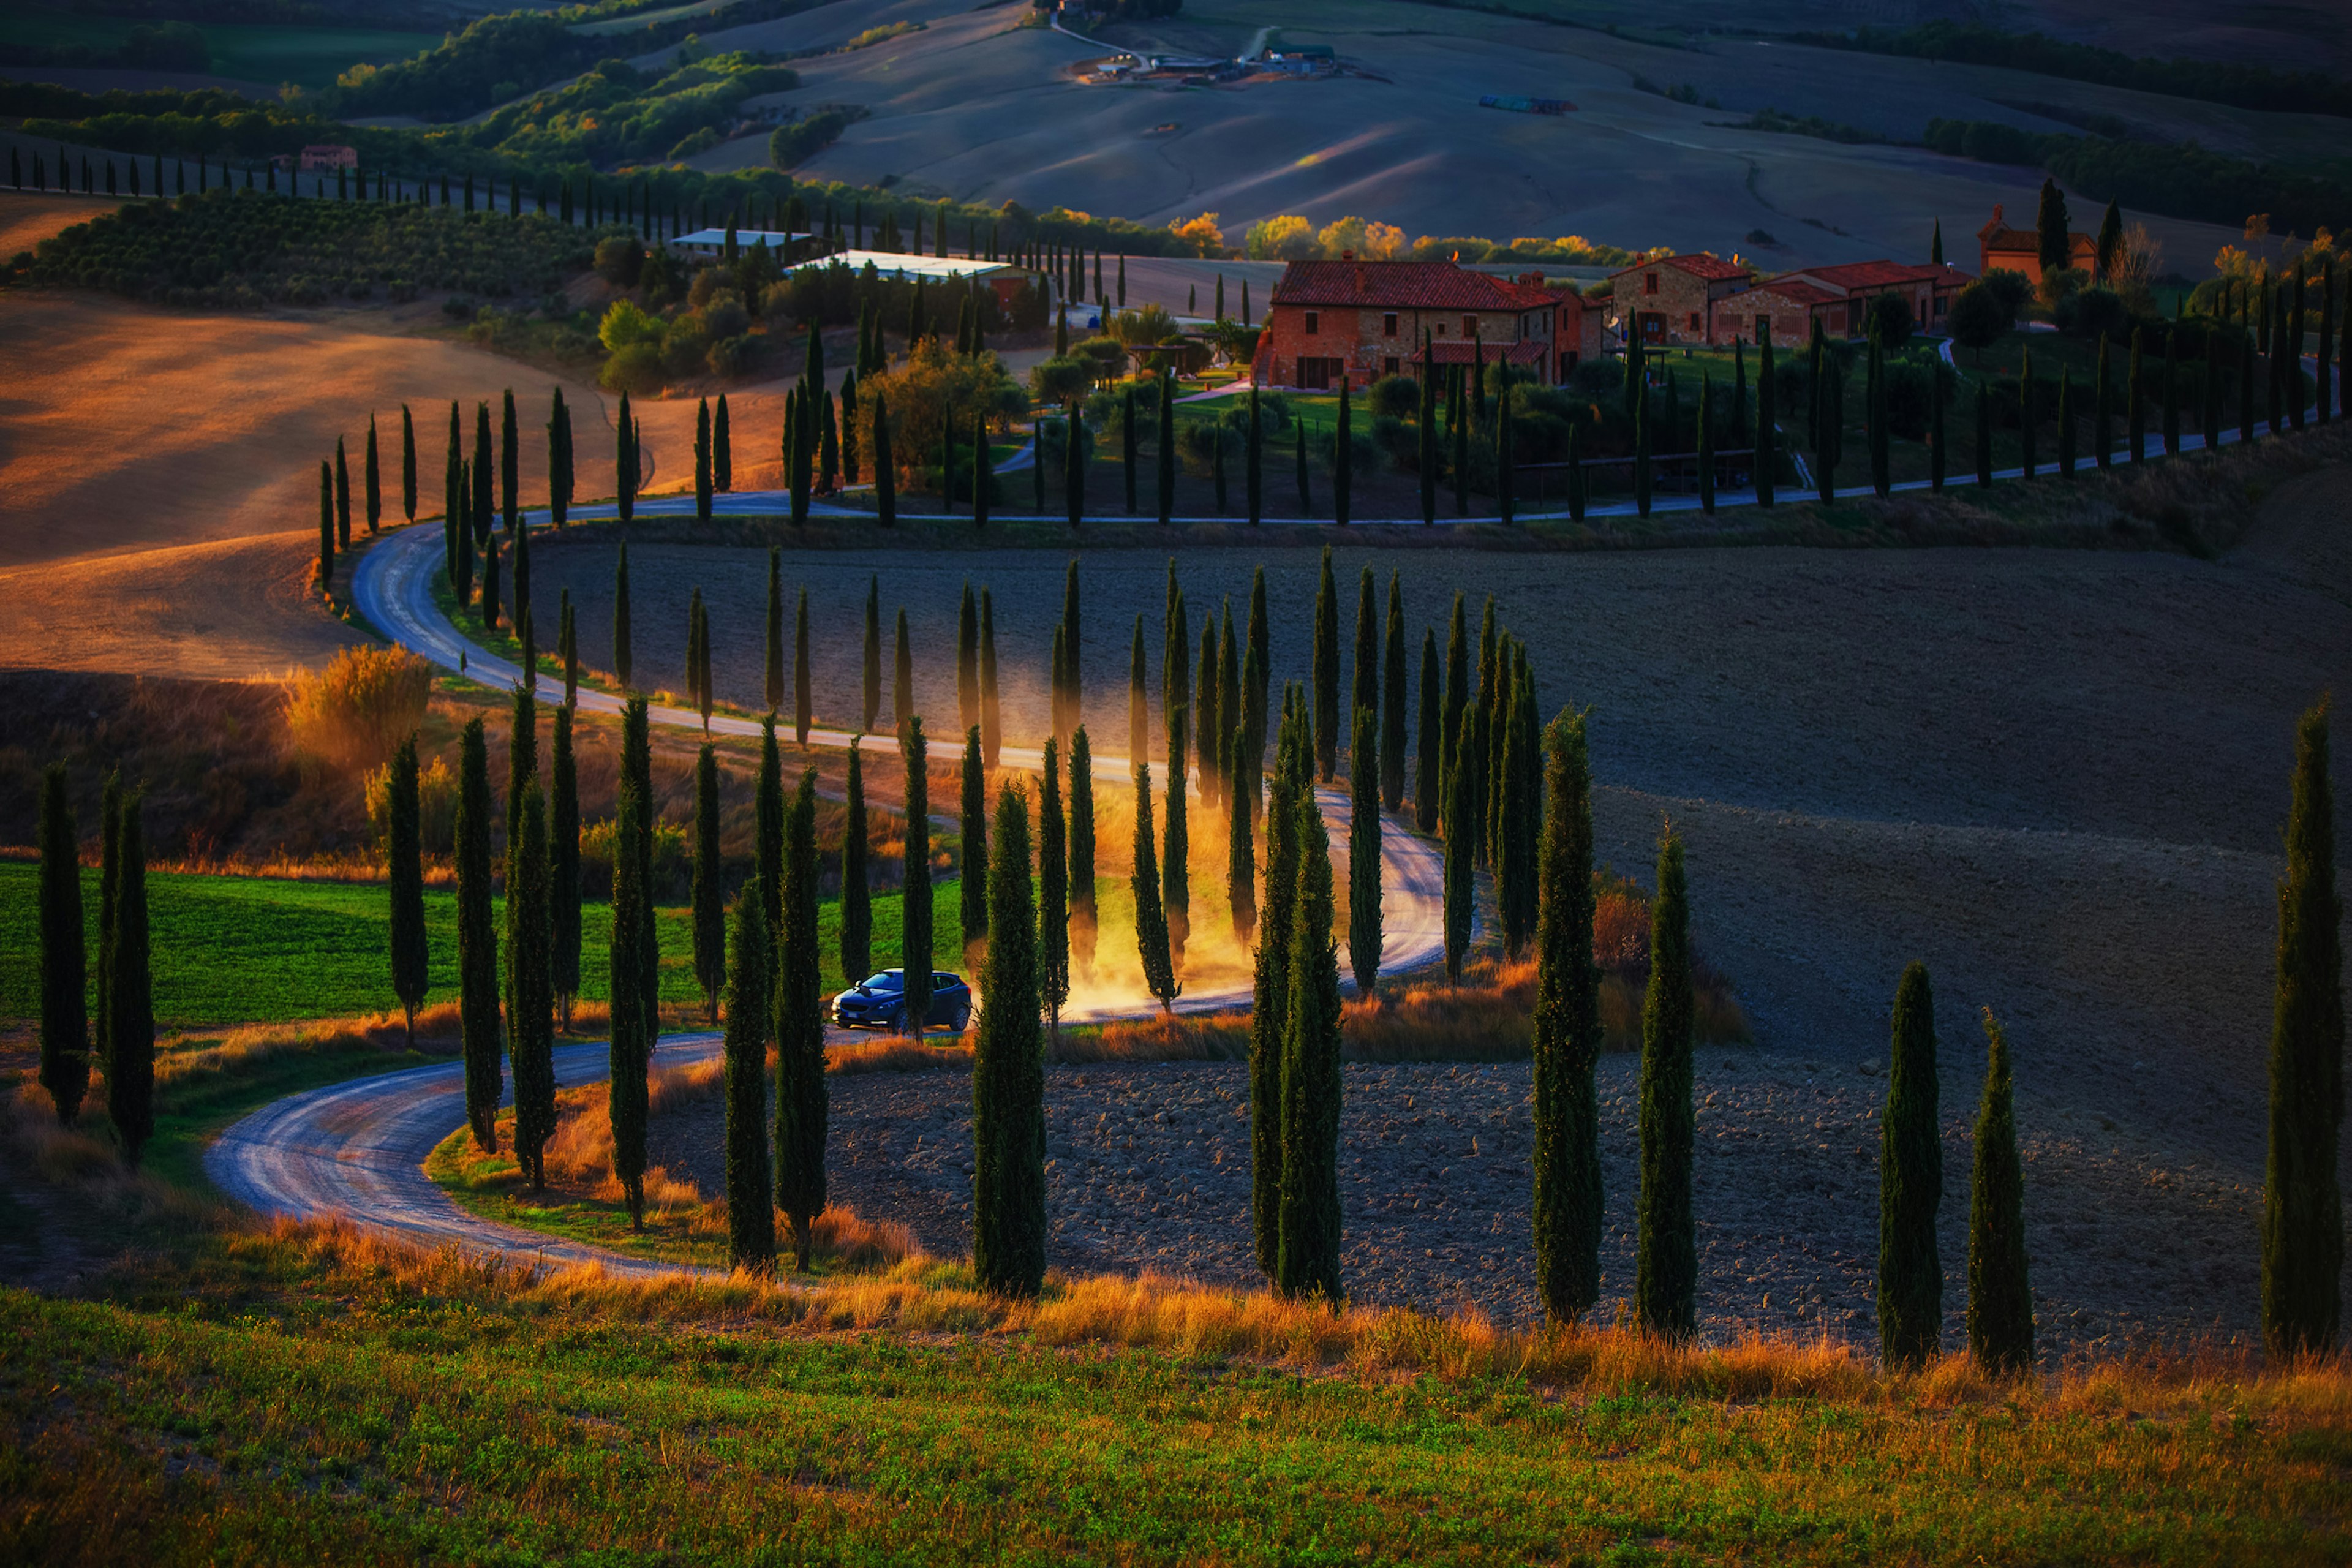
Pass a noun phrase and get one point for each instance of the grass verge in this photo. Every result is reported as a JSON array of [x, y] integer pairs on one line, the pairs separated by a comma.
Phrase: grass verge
[[305, 1393]]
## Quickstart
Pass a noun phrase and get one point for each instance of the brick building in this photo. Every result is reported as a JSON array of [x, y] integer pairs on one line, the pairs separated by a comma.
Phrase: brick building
[[1365, 319], [1791, 305], [2020, 249], [1673, 300], [1929, 287]]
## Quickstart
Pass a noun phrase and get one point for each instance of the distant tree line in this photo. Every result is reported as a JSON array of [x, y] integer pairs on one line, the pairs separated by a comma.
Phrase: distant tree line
[[1973, 43]]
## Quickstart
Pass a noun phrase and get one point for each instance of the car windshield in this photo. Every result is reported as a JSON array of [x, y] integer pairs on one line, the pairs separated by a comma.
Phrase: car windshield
[[885, 981]]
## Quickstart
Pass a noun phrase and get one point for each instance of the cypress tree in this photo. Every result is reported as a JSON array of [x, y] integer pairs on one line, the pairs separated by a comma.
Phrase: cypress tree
[[709, 885], [1074, 465], [1306, 497], [799, 1028], [991, 728], [635, 997], [2000, 1300], [1254, 459], [1216, 467], [2103, 411], [1461, 851], [509, 467], [1457, 688], [621, 617], [1241, 699], [2302, 1205], [407, 463], [1271, 986], [109, 886], [342, 498], [1984, 434], [1768, 457], [774, 662], [131, 1009], [2110, 243], [2172, 391], [1307, 1256], [1327, 672], [1053, 890], [1175, 671], [2134, 399], [2025, 421], [1426, 433], [1881, 479], [914, 912], [857, 896], [722, 449], [326, 569], [1073, 689], [491, 583], [531, 995], [1910, 1184], [702, 461], [750, 1222], [1568, 1191], [1082, 852], [1151, 916], [1517, 893], [2067, 423], [483, 504], [974, 879], [372, 477], [886, 468], [1666, 1259], [1008, 1085], [802, 711], [558, 459], [1642, 455], [1127, 448], [1138, 722], [477, 953], [1166, 446], [1393, 703], [1241, 859], [1216, 724], [2052, 243], [902, 676], [1829, 429], [873, 693], [1364, 858], [694, 630], [1365, 685], [1428, 767], [1176, 878], [968, 663], [1936, 428], [2290, 361], [404, 871], [563, 871], [65, 960]]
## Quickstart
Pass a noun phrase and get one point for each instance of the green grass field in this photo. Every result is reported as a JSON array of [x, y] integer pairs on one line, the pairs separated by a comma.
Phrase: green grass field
[[245, 949], [315, 1408], [308, 56]]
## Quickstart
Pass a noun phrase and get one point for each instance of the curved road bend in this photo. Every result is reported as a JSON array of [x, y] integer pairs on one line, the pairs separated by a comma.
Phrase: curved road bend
[[356, 1151]]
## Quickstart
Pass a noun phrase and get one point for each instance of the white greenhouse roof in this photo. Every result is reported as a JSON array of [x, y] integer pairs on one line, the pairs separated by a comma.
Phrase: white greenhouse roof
[[892, 263], [716, 238]]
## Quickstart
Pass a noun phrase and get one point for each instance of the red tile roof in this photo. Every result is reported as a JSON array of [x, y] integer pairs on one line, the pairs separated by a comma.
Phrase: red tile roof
[[1714, 268], [1796, 290], [1853, 275], [1403, 286]]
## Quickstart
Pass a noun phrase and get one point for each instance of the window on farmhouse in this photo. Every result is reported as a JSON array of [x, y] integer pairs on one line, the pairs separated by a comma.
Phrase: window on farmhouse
[[1649, 282], [1469, 326], [1314, 322], [1693, 326], [1388, 325]]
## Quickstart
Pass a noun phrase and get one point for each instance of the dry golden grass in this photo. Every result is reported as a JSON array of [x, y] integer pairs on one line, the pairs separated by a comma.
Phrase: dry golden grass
[[82, 1161], [354, 713], [26, 219], [1179, 1316]]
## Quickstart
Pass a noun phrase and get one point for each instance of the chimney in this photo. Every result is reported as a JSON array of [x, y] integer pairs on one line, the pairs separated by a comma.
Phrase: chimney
[[1347, 255]]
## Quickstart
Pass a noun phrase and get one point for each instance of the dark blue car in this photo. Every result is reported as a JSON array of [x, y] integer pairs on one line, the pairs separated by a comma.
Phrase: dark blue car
[[879, 1001]]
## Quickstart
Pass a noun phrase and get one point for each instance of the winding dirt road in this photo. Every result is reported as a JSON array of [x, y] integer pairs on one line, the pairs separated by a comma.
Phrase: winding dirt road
[[356, 1150]]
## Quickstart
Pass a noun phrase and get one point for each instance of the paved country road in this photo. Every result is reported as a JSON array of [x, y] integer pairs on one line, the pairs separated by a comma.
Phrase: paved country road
[[356, 1150]]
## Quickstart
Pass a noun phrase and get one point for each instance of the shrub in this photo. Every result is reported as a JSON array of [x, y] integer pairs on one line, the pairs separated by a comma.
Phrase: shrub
[[635, 369], [671, 867], [620, 260], [353, 713], [2095, 312], [1890, 316], [791, 145], [1394, 396], [436, 805]]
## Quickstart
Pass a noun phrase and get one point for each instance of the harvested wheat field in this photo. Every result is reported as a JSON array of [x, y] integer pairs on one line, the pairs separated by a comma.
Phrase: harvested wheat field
[[2057, 777], [27, 220], [217, 424]]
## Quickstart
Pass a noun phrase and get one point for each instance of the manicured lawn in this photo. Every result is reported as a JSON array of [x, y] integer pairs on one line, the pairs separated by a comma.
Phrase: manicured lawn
[[236, 950]]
